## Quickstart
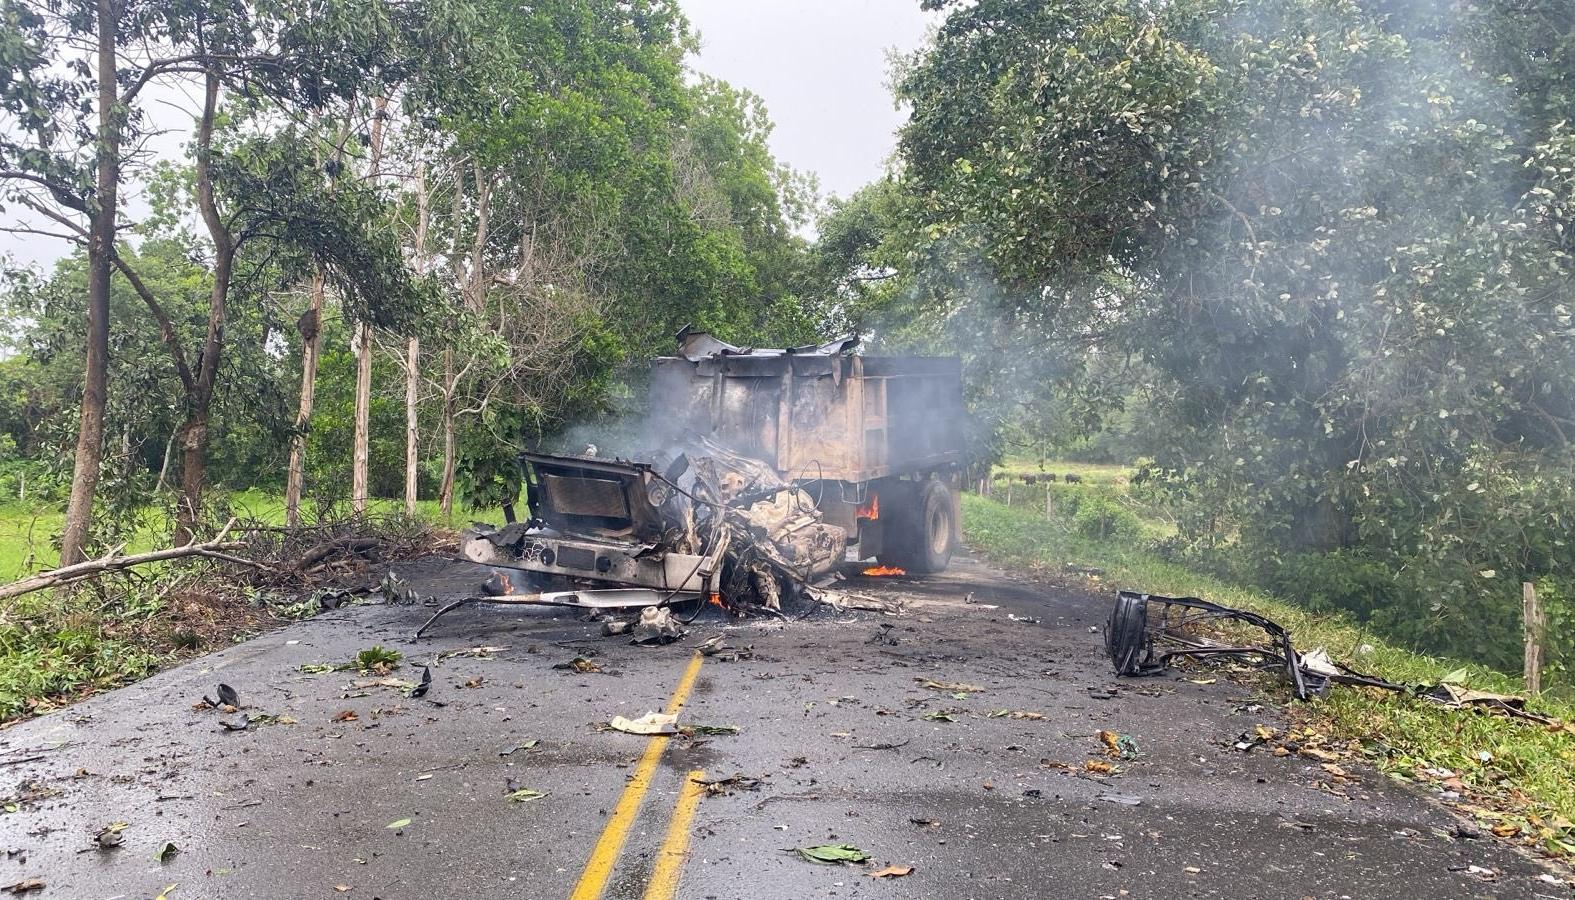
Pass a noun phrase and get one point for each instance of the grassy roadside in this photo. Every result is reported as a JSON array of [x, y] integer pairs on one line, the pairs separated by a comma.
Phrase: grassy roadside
[[57, 646], [1516, 775]]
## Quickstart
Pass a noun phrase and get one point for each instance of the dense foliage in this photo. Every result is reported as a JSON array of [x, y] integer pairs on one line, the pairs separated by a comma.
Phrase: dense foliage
[[1323, 246]]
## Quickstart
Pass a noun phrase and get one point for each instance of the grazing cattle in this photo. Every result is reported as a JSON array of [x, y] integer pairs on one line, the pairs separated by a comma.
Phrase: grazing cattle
[[1073, 478], [1048, 478]]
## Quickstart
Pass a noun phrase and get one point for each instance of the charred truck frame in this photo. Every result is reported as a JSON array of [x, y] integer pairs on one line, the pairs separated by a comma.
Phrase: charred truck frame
[[773, 468]]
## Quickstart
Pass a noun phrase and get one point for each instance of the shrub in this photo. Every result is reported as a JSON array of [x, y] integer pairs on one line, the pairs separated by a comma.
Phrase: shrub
[[1101, 518]]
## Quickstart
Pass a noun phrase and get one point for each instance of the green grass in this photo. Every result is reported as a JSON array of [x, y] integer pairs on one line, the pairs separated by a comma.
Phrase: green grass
[[27, 539], [56, 646], [28, 533], [1525, 783]]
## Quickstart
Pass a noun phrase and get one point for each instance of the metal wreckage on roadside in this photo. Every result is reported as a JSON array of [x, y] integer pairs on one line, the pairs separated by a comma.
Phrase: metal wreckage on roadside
[[772, 469], [1146, 632]]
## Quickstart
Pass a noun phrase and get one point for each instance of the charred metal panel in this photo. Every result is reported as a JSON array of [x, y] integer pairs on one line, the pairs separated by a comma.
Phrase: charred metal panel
[[597, 497], [847, 418]]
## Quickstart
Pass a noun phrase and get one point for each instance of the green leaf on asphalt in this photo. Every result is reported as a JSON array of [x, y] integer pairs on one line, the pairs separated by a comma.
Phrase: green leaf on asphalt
[[523, 794], [165, 852], [833, 854], [938, 715], [397, 824]]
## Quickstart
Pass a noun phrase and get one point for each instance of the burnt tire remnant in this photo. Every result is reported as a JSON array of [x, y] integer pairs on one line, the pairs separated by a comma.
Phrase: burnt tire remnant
[[921, 528]]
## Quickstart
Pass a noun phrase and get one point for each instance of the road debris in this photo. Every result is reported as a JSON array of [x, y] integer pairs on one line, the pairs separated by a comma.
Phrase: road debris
[[24, 886], [719, 786], [523, 795], [228, 700], [579, 664], [166, 851], [655, 627], [1146, 631], [949, 687], [1120, 746], [650, 723], [707, 730], [420, 688]]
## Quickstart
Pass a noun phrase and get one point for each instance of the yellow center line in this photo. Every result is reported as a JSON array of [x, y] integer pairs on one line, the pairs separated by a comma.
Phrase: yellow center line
[[675, 847], [599, 868]]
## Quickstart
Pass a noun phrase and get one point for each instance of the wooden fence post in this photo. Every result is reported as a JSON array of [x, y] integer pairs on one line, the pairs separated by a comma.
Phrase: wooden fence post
[[1535, 625]]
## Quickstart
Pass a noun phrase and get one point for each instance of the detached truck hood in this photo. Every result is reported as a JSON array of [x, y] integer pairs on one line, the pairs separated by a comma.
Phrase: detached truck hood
[[592, 496]]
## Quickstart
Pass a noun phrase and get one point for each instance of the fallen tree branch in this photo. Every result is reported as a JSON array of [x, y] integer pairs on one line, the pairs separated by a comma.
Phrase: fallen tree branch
[[113, 562]]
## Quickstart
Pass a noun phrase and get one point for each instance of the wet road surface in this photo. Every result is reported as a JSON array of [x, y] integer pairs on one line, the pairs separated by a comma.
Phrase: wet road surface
[[835, 723]]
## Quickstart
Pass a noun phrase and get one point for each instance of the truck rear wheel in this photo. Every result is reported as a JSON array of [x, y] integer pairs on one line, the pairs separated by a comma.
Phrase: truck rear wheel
[[922, 534]]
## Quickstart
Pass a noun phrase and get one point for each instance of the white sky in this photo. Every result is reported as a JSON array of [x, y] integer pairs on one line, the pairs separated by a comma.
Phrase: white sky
[[820, 66]]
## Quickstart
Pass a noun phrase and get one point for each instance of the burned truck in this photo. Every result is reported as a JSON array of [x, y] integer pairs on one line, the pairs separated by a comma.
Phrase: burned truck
[[769, 471]]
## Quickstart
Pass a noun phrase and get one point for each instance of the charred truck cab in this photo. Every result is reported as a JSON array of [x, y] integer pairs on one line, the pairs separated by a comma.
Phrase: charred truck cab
[[775, 467]]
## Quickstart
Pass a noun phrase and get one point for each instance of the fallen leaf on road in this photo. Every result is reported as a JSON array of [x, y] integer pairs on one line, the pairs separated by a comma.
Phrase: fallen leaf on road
[[166, 851], [1098, 767], [833, 854], [345, 715], [892, 872], [523, 795], [342, 888], [518, 747], [578, 664], [938, 715], [22, 887], [165, 894], [476, 682], [397, 824]]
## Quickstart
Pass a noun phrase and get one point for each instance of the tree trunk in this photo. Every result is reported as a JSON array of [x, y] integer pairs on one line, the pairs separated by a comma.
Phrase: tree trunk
[[446, 489], [311, 341], [360, 455], [412, 425], [200, 398], [413, 352], [101, 249]]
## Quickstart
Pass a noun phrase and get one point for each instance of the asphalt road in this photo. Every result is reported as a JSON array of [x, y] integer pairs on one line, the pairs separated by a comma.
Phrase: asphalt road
[[832, 719]]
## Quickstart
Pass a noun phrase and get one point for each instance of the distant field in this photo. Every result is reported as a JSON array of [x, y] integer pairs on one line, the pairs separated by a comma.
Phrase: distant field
[[1091, 473], [28, 533]]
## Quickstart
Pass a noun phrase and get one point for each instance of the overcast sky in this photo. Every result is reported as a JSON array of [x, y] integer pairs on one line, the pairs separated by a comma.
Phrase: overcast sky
[[820, 66]]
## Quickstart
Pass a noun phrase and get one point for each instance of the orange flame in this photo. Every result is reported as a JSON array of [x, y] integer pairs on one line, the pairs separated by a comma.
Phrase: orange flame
[[870, 509], [716, 600], [884, 571]]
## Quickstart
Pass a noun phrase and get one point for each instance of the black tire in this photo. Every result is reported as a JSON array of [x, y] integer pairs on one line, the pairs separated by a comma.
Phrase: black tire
[[1126, 635], [921, 534]]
